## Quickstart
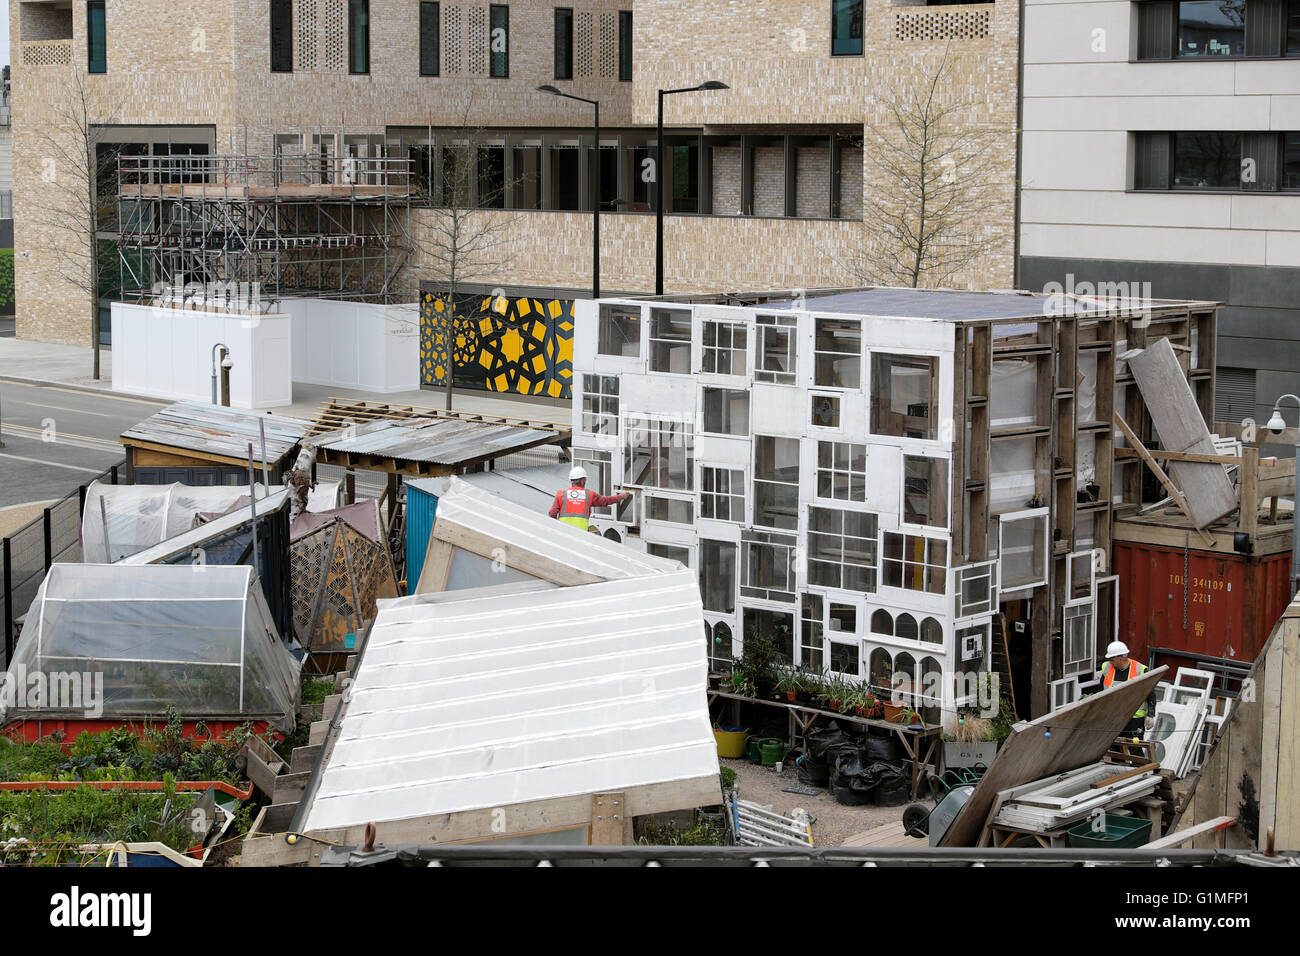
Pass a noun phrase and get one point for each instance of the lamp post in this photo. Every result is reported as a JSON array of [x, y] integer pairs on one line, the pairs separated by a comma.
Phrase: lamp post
[[1277, 424], [659, 177], [595, 199]]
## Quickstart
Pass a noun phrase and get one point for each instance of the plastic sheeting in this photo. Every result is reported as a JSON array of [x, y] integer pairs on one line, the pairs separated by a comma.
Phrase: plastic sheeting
[[465, 704], [200, 637], [140, 516]]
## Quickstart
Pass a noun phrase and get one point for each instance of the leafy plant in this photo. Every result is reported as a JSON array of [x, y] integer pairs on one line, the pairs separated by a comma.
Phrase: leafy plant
[[728, 778], [6, 281]]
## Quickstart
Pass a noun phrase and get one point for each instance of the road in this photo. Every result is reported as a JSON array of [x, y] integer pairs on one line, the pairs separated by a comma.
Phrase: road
[[58, 438]]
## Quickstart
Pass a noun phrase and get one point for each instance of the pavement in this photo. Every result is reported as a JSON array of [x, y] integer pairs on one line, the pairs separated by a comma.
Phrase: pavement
[[22, 360]]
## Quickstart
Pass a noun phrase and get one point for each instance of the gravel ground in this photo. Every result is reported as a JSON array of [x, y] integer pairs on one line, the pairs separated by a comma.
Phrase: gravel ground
[[834, 823]]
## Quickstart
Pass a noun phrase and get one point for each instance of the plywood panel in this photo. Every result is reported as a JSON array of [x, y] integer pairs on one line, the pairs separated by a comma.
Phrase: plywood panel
[[1178, 420], [1072, 737]]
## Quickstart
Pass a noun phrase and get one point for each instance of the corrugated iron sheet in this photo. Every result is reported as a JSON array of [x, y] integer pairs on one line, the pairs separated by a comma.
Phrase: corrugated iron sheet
[[433, 440], [215, 430], [465, 704]]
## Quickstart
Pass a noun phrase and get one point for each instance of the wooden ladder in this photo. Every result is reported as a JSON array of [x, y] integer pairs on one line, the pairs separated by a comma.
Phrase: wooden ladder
[[1000, 661]]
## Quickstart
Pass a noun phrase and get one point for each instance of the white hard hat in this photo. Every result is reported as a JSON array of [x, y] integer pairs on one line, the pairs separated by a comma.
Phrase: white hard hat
[[576, 472], [1116, 649]]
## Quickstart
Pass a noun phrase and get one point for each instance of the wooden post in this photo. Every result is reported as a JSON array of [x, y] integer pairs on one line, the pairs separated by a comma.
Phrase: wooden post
[[610, 823], [1248, 521]]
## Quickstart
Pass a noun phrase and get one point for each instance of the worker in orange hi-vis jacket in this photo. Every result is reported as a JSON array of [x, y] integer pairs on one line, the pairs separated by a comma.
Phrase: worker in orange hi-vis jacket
[[1120, 667], [573, 505]]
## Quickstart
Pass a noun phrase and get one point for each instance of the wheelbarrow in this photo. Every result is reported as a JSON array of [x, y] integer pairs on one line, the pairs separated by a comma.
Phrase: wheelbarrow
[[950, 791]]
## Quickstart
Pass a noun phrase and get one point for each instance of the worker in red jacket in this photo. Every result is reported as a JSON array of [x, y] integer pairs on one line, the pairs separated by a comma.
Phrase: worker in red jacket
[[573, 505]]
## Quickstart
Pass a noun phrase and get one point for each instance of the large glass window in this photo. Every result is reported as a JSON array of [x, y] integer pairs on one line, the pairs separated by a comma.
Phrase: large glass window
[[724, 347], [718, 575], [778, 625], [925, 491], [769, 565], [675, 510], [625, 45], [837, 351], [491, 177], [722, 494], [499, 40], [671, 552], [1291, 157], [620, 330], [564, 43], [904, 399], [775, 361], [776, 482], [841, 471], [810, 632], [842, 549], [358, 36], [660, 453], [846, 27], [430, 39], [1210, 160], [1212, 28], [1292, 46], [96, 37], [915, 563], [726, 411], [670, 340], [600, 404], [282, 36]]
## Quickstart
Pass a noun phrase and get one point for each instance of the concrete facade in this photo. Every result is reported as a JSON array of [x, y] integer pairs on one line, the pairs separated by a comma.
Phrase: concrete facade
[[1088, 96], [204, 68]]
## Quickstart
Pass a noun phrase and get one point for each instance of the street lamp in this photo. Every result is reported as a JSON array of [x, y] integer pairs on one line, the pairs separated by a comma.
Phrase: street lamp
[[1277, 424], [659, 177], [595, 199]]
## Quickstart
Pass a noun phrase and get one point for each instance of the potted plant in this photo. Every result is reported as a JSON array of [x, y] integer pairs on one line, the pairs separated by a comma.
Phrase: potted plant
[[912, 719], [894, 713], [835, 691], [803, 686], [787, 682], [870, 705]]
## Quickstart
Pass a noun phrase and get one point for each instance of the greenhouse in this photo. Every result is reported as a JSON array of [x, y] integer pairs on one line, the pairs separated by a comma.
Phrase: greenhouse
[[115, 642]]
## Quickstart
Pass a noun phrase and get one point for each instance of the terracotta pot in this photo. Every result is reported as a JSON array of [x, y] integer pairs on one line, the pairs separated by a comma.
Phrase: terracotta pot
[[791, 696], [833, 704], [894, 712]]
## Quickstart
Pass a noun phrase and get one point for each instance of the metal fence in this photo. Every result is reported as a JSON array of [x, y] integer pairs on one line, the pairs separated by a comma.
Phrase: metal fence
[[26, 555]]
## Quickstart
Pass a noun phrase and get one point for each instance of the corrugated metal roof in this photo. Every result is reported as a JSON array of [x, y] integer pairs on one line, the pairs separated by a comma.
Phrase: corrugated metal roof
[[956, 305], [466, 704], [534, 531], [436, 440], [216, 430]]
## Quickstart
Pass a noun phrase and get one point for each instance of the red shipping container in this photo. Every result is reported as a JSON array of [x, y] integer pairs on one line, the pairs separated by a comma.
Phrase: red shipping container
[[1204, 602]]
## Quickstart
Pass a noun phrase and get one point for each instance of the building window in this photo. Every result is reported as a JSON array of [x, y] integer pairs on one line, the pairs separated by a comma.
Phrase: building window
[[1293, 28], [726, 411], [1023, 549], [725, 348], [1217, 161], [685, 178], [660, 453], [675, 510], [846, 27], [775, 361], [977, 589], [842, 549], [778, 625], [718, 575], [97, 37], [769, 566], [837, 353], [825, 411], [1212, 28], [564, 178], [915, 563], [719, 645], [671, 552], [845, 658], [925, 491], [904, 401], [564, 43], [281, 36], [499, 40], [620, 331], [430, 39], [1207, 161], [722, 494], [842, 619], [358, 36], [841, 471], [810, 633], [1078, 648], [670, 341], [1290, 178], [625, 45], [600, 404], [776, 482]]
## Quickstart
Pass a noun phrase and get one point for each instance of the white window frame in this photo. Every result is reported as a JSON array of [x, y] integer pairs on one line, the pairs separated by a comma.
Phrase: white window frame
[[735, 597], [1096, 590], [603, 397], [1085, 666], [627, 362], [809, 556], [755, 481], [713, 620], [1064, 692], [924, 445], [792, 350], [820, 394], [817, 353], [909, 532], [729, 495], [834, 470], [685, 497], [724, 387], [1070, 559], [978, 569], [657, 420], [821, 622], [1024, 514], [902, 492], [739, 322], [650, 340]]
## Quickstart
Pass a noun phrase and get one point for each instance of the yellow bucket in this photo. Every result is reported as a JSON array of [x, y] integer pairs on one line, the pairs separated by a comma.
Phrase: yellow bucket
[[731, 743]]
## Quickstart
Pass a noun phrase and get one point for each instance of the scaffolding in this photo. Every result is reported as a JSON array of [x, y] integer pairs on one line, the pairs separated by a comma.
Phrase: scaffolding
[[242, 232]]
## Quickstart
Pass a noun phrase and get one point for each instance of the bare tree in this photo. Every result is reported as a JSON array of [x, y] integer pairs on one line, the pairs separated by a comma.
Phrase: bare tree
[[937, 190], [466, 235], [75, 159]]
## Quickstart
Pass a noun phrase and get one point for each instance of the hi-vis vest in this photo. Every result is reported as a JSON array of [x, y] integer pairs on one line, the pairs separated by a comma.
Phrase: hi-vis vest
[[575, 507], [1134, 669]]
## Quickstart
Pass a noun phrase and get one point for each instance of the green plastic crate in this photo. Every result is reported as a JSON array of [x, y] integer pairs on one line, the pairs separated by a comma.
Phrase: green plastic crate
[[1122, 833]]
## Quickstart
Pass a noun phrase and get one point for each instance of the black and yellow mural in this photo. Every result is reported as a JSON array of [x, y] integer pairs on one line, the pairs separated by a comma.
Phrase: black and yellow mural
[[498, 343]]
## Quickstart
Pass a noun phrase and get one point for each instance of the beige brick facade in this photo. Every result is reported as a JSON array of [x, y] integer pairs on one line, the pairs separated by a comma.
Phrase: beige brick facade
[[206, 64]]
